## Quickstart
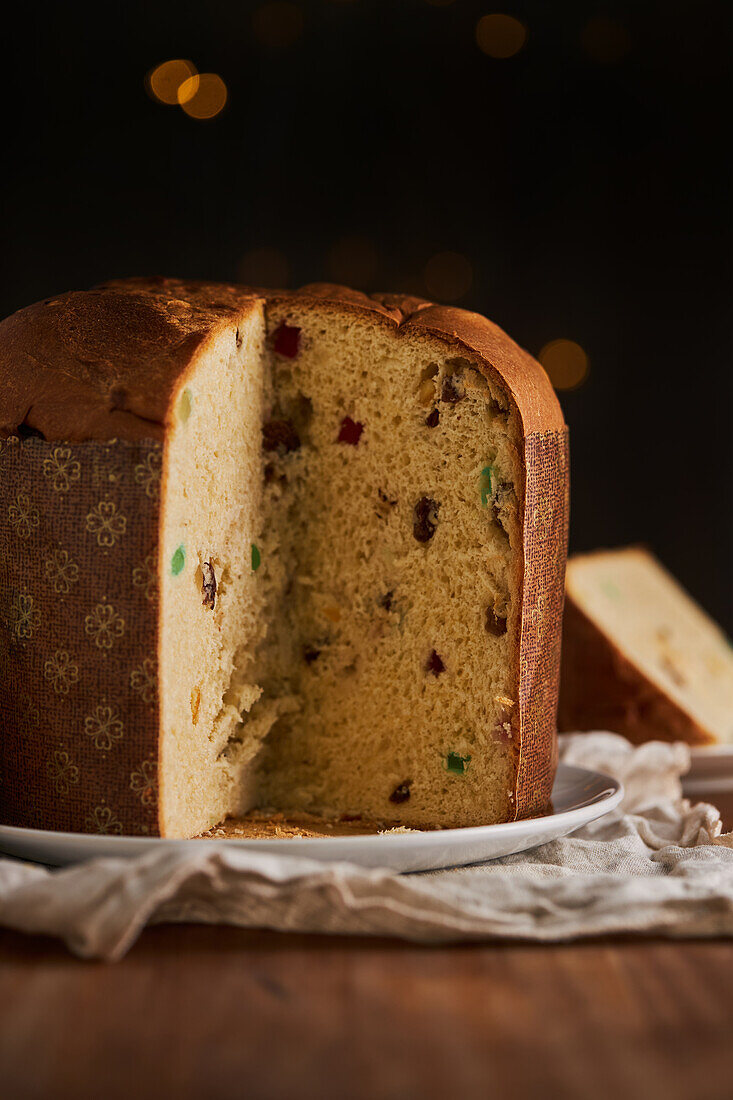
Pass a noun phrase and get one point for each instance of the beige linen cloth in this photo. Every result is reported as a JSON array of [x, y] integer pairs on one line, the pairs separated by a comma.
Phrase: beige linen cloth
[[656, 865]]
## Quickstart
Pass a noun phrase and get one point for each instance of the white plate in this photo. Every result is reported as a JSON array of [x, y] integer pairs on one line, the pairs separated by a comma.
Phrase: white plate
[[711, 771], [578, 796]]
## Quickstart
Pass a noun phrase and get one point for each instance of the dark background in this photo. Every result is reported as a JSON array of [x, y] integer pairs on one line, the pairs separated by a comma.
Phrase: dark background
[[584, 181]]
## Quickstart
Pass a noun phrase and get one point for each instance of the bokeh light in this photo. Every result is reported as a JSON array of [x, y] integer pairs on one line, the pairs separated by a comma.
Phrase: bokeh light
[[278, 24], [203, 96], [448, 276], [500, 35], [266, 267], [565, 362], [353, 260], [605, 41], [164, 81]]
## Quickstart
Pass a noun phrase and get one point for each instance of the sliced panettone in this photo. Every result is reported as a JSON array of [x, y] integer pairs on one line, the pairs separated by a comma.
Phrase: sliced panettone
[[296, 551], [640, 657]]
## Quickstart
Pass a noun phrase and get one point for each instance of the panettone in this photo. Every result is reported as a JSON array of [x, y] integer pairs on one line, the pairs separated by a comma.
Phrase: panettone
[[640, 657], [301, 551]]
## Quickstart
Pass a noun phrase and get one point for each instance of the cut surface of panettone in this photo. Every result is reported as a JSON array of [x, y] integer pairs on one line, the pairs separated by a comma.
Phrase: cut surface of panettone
[[359, 552], [640, 657]]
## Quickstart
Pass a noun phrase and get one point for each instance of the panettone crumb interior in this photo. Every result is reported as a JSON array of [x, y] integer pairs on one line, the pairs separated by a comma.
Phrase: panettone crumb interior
[[341, 536]]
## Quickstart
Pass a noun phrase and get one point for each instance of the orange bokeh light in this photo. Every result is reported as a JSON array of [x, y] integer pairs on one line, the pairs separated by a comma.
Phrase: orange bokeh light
[[566, 363], [500, 35], [165, 80], [203, 96]]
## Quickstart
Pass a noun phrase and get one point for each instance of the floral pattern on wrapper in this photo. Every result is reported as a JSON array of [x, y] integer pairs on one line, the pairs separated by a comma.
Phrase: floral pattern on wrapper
[[78, 621]]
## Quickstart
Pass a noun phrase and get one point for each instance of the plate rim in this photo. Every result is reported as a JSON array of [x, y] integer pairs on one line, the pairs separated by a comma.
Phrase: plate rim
[[607, 799]]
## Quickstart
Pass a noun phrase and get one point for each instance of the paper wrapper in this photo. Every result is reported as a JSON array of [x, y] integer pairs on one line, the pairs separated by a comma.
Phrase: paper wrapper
[[546, 511], [78, 630]]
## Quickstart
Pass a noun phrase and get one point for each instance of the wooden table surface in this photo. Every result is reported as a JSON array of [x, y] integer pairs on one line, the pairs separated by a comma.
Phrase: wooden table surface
[[212, 1012]]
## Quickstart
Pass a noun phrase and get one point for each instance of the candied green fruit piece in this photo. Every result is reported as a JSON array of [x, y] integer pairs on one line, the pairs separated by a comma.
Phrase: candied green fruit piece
[[256, 558], [457, 764], [178, 561], [185, 405], [485, 485]]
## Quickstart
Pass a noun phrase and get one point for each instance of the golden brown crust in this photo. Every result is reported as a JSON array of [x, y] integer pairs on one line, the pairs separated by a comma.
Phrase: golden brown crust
[[57, 375], [600, 689], [102, 364]]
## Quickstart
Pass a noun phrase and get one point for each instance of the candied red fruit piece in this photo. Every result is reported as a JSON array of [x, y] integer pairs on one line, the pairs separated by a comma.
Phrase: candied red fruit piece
[[401, 793], [286, 340], [435, 664], [425, 519], [350, 431]]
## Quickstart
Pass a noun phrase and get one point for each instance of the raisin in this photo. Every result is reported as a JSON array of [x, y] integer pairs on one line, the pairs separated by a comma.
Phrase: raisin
[[286, 340], [280, 436], [311, 654], [208, 587], [238, 339], [350, 431], [425, 519], [495, 624], [385, 601], [435, 664], [432, 418], [401, 793], [452, 391]]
